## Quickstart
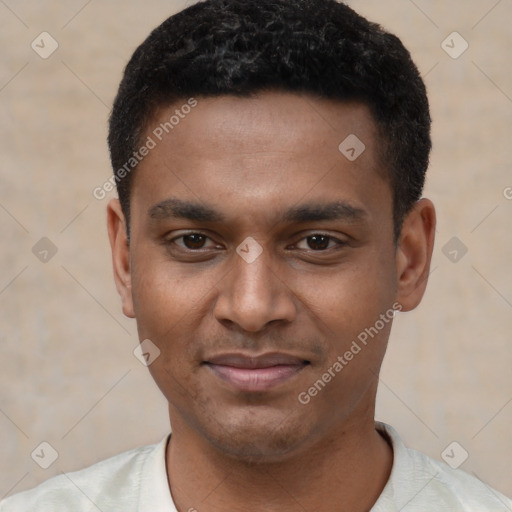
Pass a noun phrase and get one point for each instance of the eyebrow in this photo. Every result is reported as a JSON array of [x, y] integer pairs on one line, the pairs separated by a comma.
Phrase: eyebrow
[[314, 212], [179, 209], [309, 212]]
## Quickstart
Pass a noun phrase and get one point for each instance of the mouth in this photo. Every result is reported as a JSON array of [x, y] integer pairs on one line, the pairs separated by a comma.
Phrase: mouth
[[255, 373]]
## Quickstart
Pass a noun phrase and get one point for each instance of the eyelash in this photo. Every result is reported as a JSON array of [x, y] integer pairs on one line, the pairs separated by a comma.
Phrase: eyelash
[[339, 243]]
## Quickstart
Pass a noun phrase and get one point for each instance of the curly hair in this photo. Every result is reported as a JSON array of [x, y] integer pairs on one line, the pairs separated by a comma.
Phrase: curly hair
[[240, 47]]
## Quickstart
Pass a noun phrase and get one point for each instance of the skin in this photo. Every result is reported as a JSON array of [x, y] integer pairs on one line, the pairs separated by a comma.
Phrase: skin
[[195, 298]]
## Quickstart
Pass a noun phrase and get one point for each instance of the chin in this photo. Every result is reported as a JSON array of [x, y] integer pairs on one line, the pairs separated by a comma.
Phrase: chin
[[257, 438]]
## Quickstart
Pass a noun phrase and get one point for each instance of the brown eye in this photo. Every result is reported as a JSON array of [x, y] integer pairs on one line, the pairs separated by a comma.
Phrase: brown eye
[[194, 241], [318, 242]]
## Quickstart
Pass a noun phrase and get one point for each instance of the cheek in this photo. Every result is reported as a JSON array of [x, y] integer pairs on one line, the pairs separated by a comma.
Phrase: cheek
[[165, 299], [167, 308], [350, 297], [347, 307]]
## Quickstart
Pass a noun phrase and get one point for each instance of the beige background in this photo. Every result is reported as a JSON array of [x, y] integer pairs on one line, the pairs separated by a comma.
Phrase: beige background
[[67, 372]]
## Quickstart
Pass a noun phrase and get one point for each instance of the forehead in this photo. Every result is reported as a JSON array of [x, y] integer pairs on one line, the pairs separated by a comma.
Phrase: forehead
[[262, 152], [251, 123]]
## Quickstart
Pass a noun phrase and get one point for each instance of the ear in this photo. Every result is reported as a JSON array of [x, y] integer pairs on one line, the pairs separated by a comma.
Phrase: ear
[[120, 255], [414, 253]]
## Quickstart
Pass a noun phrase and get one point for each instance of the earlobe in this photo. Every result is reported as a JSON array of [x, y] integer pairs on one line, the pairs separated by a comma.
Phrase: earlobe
[[414, 254], [120, 255]]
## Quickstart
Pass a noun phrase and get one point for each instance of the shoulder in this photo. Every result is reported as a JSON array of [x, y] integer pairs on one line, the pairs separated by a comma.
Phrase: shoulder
[[456, 488], [115, 479], [418, 482]]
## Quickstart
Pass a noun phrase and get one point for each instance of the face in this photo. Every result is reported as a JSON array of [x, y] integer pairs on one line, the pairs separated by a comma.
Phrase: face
[[259, 253]]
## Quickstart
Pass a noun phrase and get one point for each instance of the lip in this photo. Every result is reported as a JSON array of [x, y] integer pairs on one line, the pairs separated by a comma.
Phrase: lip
[[251, 373]]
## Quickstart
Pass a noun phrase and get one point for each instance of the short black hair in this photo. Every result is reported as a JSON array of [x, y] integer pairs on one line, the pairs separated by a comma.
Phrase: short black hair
[[242, 47]]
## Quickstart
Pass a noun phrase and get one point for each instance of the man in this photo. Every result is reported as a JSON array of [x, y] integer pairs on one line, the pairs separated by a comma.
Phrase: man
[[269, 158]]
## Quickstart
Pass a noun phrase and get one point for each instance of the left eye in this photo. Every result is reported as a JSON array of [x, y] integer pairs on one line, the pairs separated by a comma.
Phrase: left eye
[[319, 242], [192, 241]]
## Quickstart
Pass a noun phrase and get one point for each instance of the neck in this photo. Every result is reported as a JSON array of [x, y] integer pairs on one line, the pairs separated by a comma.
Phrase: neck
[[346, 470]]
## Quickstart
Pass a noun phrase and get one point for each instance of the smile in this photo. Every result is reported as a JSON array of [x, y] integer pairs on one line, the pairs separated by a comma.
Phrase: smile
[[255, 374]]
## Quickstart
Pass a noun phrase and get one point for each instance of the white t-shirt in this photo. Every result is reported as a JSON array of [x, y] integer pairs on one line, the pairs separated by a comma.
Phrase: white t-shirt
[[136, 481]]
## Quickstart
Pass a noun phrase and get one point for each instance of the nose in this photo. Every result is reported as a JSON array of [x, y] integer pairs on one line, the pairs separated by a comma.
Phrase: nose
[[252, 295]]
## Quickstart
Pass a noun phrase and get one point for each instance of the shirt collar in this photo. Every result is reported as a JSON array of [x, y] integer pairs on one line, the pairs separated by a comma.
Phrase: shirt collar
[[155, 494], [409, 476]]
